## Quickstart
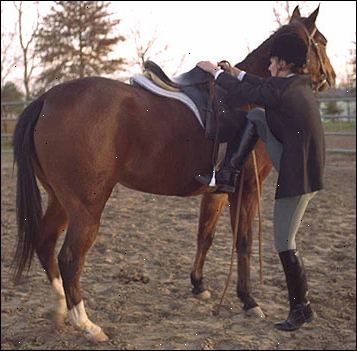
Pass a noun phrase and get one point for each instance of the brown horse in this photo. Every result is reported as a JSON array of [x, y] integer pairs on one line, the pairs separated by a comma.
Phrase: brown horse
[[83, 137]]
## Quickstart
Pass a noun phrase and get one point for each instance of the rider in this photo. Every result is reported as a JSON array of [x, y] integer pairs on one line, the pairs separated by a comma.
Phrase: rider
[[290, 125]]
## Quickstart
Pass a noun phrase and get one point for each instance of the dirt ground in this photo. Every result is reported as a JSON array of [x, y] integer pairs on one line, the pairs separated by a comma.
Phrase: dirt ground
[[136, 282]]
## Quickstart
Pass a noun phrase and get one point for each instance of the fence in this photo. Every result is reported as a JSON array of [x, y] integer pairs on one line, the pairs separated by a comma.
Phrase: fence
[[343, 112], [345, 106]]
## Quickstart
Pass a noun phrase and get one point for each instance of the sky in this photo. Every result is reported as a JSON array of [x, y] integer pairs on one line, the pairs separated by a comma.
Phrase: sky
[[216, 30]]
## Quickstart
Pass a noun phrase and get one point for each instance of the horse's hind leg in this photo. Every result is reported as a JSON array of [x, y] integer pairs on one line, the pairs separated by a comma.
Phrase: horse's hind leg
[[211, 208], [53, 223], [81, 233]]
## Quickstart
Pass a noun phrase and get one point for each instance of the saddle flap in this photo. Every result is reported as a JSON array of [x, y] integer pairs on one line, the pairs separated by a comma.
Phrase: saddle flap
[[195, 76]]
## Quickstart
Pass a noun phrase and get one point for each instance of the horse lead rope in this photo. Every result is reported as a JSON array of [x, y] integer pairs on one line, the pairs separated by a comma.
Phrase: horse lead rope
[[235, 232], [236, 222], [259, 216]]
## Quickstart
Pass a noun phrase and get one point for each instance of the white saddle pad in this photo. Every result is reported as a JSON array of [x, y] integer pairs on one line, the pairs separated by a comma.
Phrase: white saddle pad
[[149, 85]]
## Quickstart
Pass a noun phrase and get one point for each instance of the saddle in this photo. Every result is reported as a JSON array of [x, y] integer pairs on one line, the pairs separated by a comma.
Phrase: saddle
[[194, 77], [198, 85], [194, 83]]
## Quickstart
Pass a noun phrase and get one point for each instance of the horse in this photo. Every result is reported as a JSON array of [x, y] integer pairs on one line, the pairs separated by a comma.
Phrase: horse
[[82, 137]]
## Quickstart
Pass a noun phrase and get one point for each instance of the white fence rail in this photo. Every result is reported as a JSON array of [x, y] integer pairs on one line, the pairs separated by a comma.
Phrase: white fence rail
[[346, 106]]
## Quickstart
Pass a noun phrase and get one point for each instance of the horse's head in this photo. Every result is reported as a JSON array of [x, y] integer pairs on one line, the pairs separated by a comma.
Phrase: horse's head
[[318, 64]]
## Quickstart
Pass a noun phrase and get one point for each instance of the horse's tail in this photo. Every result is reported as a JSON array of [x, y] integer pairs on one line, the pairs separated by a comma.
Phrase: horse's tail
[[28, 197]]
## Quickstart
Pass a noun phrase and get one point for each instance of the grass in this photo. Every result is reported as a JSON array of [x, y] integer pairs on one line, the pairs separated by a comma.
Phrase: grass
[[6, 145], [329, 126], [339, 126]]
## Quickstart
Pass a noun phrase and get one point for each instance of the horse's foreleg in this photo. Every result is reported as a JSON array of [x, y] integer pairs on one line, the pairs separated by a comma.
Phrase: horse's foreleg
[[53, 223], [244, 245], [81, 233], [211, 208]]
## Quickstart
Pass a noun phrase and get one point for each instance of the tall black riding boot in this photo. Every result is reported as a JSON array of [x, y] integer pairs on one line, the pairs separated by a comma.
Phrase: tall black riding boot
[[226, 178], [300, 308]]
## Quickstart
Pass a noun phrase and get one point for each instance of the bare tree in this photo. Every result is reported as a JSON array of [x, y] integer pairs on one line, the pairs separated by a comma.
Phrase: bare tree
[[28, 52], [150, 49], [9, 57], [282, 11], [145, 48], [352, 62]]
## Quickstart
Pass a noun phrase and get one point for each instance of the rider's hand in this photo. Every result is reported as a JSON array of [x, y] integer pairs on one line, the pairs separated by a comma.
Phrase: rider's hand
[[230, 69], [208, 67], [225, 66]]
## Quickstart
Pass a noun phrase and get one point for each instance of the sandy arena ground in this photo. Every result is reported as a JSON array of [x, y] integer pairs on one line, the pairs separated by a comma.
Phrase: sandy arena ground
[[136, 282]]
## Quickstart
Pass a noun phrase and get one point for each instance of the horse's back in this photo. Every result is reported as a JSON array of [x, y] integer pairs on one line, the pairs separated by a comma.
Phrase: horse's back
[[108, 131]]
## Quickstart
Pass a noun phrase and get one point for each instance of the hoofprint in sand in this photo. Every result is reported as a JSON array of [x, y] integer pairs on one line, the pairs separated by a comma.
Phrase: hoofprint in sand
[[136, 277]]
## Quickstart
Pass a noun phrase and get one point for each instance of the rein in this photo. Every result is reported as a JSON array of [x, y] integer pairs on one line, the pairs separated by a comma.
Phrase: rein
[[260, 217], [239, 201], [234, 244], [315, 45], [212, 96]]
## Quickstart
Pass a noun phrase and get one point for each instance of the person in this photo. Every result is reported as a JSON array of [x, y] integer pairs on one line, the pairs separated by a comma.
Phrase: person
[[290, 125]]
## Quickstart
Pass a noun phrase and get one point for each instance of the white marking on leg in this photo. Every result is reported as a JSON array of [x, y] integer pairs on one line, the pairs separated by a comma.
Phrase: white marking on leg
[[80, 319], [59, 291]]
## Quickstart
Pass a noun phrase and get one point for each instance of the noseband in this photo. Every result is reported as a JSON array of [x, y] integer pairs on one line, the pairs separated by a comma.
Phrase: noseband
[[313, 43]]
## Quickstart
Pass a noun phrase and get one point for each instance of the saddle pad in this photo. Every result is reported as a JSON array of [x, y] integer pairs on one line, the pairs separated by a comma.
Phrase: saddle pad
[[149, 85]]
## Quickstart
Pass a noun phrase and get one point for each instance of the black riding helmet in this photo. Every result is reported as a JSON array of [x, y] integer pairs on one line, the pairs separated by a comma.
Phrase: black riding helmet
[[290, 48]]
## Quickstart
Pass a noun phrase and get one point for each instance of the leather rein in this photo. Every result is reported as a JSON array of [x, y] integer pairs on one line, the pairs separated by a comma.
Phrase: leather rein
[[239, 195], [314, 44]]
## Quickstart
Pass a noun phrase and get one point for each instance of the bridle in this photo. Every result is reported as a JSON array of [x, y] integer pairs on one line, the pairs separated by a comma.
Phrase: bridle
[[323, 79]]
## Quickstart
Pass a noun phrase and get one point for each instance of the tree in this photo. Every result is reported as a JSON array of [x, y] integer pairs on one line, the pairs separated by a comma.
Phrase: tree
[[332, 109], [352, 75], [149, 48], [282, 12], [74, 41], [9, 56], [10, 93], [28, 53], [145, 48]]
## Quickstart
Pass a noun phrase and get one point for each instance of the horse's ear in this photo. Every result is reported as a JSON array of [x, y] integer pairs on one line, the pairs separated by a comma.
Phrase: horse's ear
[[310, 21], [295, 14]]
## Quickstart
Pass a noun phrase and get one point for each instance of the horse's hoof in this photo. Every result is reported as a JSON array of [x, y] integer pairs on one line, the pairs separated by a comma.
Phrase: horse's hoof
[[204, 295], [99, 337], [255, 312]]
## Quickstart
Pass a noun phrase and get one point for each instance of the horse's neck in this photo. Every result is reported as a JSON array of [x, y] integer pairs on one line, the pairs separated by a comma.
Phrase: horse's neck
[[257, 62]]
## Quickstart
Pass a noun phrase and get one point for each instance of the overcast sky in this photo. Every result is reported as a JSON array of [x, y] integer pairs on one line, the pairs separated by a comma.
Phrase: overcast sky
[[218, 30]]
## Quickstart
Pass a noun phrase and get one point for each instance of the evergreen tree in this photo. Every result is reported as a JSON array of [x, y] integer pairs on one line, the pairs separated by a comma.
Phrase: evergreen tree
[[333, 109], [11, 94], [75, 41]]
